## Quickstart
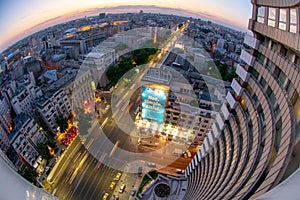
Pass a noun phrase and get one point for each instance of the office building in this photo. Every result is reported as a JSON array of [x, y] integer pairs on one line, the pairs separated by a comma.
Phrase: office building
[[254, 145]]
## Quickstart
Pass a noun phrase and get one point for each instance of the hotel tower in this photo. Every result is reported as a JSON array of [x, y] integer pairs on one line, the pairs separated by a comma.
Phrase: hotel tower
[[254, 145]]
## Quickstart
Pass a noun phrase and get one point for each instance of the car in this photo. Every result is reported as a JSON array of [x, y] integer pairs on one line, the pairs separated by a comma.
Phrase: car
[[116, 198], [151, 164], [122, 188], [118, 176], [180, 171], [105, 196], [132, 193], [140, 171], [112, 185], [188, 153]]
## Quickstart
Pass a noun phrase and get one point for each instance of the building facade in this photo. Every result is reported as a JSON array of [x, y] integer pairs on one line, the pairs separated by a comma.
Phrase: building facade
[[254, 145], [22, 96], [52, 106], [25, 137]]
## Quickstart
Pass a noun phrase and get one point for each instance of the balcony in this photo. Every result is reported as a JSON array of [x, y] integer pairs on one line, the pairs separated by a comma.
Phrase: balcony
[[220, 121], [206, 145], [247, 57], [225, 111], [231, 100], [215, 130], [251, 41], [242, 73], [236, 87], [211, 138]]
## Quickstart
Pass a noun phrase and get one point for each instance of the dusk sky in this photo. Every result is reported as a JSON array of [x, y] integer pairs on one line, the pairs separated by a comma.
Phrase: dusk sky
[[20, 18]]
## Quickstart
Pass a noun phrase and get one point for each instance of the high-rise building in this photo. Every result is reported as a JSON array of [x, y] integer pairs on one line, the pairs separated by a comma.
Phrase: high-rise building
[[254, 145]]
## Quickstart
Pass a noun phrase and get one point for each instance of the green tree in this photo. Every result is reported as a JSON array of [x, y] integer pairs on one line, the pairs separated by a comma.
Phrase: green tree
[[29, 175], [143, 56], [138, 57], [62, 123], [43, 151], [84, 121], [52, 143]]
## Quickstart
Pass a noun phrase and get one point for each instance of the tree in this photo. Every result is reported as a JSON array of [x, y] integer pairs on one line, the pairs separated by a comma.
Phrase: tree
[[143, 56], [84, 121], [29, 175], [62, 123], [52, 144], [139, 57], [44, 151]]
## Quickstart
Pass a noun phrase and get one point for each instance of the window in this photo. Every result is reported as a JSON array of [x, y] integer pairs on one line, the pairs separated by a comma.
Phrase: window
[[282, 19], [296, 59], [270, 65], [254, 72], [261, 15], [260, 58], [262, 82], [293, 21], [272, 17], [282, 78]]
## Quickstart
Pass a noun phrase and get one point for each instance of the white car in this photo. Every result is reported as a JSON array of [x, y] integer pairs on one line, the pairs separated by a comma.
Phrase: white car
[[180, 171], [122, 188], [188, 153], [151, 164]]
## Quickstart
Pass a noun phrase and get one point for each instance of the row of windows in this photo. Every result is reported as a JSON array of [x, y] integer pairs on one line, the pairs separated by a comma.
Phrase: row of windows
[[284, 19]]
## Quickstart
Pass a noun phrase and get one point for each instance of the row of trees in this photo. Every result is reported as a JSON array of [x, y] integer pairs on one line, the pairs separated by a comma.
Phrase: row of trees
[[222, 69], [137, 57]]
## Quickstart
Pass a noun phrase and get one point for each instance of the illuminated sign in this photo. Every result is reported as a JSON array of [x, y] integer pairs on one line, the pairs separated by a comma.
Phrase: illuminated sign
[[153, 104]]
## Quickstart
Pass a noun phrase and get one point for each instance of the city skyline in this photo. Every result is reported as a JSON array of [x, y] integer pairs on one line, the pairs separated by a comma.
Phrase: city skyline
[[30, 17]]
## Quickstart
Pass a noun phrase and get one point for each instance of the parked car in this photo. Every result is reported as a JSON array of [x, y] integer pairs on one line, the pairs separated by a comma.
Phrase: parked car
[[140, 171], [105, 196], [151, 164], [112, 185], [122, 188], [180, 171], [118, 176], [132, 193], [188, 153]]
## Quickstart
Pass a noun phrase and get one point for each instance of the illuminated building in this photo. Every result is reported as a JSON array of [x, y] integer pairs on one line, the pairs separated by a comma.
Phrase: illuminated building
[[24, 138], [153, 103], [189, 114], [254, 145], [53, 105]]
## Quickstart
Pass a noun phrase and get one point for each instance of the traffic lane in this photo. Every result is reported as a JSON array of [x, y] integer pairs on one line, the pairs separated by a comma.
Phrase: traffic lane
[[64, 159], [88, 184], [61, 185]]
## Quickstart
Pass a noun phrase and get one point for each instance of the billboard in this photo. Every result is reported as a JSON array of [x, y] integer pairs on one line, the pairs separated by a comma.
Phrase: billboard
[[153, 104]]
